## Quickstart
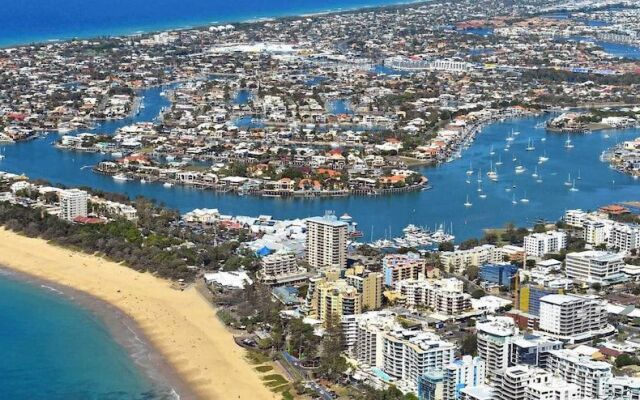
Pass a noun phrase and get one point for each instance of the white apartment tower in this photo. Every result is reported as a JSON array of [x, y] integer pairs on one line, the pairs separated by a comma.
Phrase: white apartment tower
[[591, 377], [539, 244], [326, 242], [494, 342], [594, 266], [73, 203], [572, 318]]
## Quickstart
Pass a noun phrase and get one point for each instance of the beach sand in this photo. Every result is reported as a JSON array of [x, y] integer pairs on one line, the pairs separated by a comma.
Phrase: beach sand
[[181, 325]]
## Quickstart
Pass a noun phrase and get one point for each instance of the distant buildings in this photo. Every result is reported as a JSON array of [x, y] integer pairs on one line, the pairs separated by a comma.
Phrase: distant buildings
[[326, 242], [595, 267], [539, 244], [73, 204]]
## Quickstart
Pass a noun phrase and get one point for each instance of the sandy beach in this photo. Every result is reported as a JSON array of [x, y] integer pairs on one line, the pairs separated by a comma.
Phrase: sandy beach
[[181, 325]]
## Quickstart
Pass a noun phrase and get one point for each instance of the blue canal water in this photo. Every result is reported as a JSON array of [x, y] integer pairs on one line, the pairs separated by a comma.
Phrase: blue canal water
[[51, 348], [40, 20], [383, 215]]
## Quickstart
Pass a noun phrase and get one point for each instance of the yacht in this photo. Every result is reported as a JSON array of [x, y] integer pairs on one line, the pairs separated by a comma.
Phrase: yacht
[[539, 180], [573, 187], [493, 175], [513, 199], [143, 180], [499, 162], [120, 178], [568, 144], [167, 184], [535, 172], [524, 199], [468, 203], [530, 146], [579, 177], [516, 133], [544, 139], [479, 176], [543, 158], [520, 169], [492, 152], [470, 170], [568, 182]]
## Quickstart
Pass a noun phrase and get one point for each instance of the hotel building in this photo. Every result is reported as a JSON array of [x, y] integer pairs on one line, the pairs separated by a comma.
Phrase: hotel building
[[73, 204], [326, 242], [539, 244], [591, 377], [398, 267]]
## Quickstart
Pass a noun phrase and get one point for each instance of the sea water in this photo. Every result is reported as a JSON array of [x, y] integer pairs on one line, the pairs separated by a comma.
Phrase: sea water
[[52, 347], [40, 20]]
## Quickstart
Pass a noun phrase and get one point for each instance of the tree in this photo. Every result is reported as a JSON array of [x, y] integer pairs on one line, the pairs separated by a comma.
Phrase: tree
[[478, 293], [625, 359], [332, 363], [446, 246], [469, 345]]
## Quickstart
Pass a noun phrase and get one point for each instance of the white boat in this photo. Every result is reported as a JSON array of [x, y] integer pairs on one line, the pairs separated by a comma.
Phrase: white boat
[[470, 170], [116, 154], [1, 156], [606, 136], [579, 177], [530, 146], [573, 187], [544, 139], [492, 174], [492, 152], [167, 184], [143, 180], [524, 199], [568, 182], [513, 199], [543, 158], [568, 144], [120, 178], [539, 180], [467, 203], [516, 133], [482, 195], [499, 162], [479, 176], [520, 169], [535, 172]]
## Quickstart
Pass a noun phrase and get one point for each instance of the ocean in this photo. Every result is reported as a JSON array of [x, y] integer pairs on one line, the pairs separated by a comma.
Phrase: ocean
[[42, 20], [56, 343]]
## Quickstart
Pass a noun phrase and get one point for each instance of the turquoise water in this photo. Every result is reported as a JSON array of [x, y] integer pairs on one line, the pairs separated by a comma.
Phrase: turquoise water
[[40, 20], [52, 348], [381, 216]]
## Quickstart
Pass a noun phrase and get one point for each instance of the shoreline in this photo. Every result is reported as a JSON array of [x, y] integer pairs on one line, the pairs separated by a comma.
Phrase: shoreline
[[124, 32], [185, 342], [122, 328]]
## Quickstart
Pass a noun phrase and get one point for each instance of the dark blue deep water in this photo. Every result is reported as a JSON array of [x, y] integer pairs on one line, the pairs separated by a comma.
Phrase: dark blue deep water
[[39, 20]]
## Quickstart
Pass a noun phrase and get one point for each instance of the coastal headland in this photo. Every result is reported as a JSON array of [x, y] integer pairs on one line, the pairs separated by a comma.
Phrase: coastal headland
[[181, 325]]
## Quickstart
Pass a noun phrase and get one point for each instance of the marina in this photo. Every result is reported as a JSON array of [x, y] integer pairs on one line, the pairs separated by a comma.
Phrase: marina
[[387, 214]]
